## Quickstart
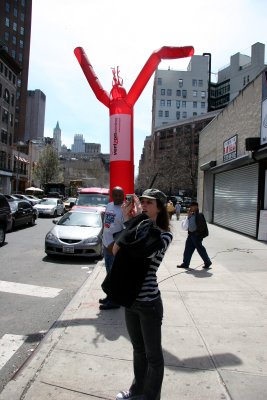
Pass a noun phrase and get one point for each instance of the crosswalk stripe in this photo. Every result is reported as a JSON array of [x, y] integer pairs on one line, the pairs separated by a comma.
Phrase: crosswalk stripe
[[9, 344], [28, 290]]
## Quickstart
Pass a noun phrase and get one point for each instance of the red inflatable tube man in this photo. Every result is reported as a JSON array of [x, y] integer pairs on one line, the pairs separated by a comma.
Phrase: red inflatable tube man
[[120, 106]]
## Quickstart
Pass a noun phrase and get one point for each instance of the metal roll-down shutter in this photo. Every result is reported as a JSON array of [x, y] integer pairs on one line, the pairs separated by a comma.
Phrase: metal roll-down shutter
[[236, 199]]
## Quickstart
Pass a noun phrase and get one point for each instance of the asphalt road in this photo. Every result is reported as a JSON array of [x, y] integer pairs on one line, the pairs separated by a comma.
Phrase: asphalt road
[[34, 290]]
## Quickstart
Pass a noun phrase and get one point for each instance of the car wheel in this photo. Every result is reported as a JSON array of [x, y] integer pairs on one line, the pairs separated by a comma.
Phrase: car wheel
[[2, 236], [32, 221], [55, 214]]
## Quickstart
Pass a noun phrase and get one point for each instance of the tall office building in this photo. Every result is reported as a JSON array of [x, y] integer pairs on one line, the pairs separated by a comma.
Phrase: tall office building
[[79, 145], [35, 115], [15, 34], [180, 95], [57, 138]]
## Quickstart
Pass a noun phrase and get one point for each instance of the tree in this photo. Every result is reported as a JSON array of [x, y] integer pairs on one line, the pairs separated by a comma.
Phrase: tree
[[47, 169]]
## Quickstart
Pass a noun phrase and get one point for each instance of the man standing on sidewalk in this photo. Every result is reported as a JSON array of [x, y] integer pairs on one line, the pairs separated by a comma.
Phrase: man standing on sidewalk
[[195, 224], [113, 223]]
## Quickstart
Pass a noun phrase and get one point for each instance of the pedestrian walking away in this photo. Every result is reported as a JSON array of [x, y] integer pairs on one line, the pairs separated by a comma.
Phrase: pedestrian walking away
[[113, 223], [170, 209], [177, 210], [132, 282], [195, 224]]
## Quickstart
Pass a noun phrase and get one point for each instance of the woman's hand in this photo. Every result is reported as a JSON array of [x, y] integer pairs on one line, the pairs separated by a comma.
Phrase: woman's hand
[[115, 249], [131, 208]]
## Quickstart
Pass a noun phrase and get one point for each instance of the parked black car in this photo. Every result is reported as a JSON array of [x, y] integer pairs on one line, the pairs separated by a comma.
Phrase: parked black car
[[23, 213], [5, 218]]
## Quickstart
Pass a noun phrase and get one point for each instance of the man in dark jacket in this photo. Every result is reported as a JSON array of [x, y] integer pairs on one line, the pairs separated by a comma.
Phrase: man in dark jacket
[[197, 228]]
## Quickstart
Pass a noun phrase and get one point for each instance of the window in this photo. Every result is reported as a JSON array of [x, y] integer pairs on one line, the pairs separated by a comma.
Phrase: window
[[184, 114], [162, 92], [15, 12], [194, 114], [14, 39], [180, 82], [177, 114], [3, 136], [183, 104], [203, 104], [203, 94], [169, 103], [7, 7], [178, 102], [194, 82], [19, 82], [22, 17], [15, 26], [184, 93], [169, 92], [200, 82], [22, 30], [13, 54], [194, 104], [160, 113], [162, 103], [2, 159], [194, 93], [20, 57], [178, 92], [244, 81], [21, 44], [159, 81], [6, 36], [7, 22], [248, 79], [5, 116], [166, 114]]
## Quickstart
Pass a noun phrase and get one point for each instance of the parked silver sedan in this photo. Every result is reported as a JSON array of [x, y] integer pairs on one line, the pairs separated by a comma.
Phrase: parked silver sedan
[[77, 233], [50, 206]]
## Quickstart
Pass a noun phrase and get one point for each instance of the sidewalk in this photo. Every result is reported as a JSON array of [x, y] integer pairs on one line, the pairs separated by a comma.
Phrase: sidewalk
[[214, 332]]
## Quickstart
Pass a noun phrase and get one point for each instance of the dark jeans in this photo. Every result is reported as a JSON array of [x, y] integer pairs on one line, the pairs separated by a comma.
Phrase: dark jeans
[[108, 257], [193, 242], [143, 321]]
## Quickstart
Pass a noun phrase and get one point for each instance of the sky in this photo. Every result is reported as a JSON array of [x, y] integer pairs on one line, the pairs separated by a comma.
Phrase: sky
[[125, 33]]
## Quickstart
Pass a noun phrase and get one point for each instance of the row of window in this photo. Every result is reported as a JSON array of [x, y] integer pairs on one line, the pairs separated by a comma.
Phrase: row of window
[[5, 162], [182, 93], [13, 54], [195, 82], [179, 114], [15, 12], [14, 39], [15, 26], [181, 103], [7, 73]]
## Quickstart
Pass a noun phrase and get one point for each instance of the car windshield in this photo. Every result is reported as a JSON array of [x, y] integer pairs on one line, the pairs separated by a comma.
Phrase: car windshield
[[48, 202], [70, 200], [81, 219], [86, 199]]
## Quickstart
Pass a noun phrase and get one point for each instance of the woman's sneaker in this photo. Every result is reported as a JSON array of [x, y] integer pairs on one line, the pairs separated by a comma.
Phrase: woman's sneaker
[[127, 394]]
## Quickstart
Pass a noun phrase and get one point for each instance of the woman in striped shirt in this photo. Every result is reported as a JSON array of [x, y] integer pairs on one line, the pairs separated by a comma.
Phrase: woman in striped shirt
[[144, 317]]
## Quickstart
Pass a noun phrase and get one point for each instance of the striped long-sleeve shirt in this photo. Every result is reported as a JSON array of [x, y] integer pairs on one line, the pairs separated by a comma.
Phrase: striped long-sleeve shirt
[[150, 289]]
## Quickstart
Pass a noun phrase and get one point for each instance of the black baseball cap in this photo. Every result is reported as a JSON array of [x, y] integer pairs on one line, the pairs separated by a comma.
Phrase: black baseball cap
[[154, 194]]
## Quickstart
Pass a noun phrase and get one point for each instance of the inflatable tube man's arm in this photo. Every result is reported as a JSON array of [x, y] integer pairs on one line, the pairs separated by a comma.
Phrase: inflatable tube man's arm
[[91, 77], [151, 65]]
